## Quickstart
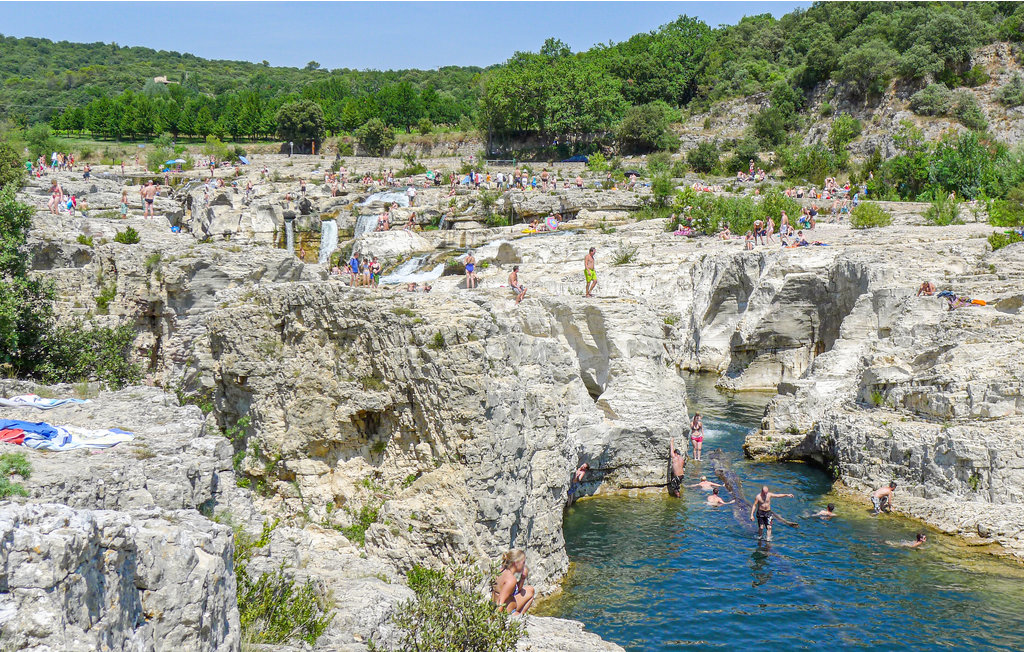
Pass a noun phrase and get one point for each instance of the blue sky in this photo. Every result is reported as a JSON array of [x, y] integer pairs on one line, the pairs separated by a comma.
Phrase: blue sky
[[381, 35]]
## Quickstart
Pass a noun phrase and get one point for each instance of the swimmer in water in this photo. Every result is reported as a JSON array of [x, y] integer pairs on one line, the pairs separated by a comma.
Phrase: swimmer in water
[[704, 484], [921, 538], [716, 501], [828, 512]]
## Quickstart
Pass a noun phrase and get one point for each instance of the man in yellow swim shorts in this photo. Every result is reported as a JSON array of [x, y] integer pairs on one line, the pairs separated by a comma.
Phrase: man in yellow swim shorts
[[589, 274]]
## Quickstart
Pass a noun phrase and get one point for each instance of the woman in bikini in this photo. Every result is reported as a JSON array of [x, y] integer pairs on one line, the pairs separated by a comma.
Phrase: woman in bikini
[[511, 594], [697, 435]]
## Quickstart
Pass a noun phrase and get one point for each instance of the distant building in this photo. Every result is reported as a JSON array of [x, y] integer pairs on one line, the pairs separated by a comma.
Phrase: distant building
[[163, 80]]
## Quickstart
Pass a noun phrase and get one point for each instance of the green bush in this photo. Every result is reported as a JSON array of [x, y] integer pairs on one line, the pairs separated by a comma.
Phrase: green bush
[[968, 112], [1003, 212], [13, 464], [825, 110], [933, 99], [76, 352], [375, 137], [1000, 240], [869, 216], [437, 343], [12, 173], [366, 516], [1012, 94], [659, 162], [84, 240], [645, 128], [103, 299], [943, 211], [596, 162], [450, 613], [662, 188], [273, 608], [703, 157], [679, 169], [129, 236]]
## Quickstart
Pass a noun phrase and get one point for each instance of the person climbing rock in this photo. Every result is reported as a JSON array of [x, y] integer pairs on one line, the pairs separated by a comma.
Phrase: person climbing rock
[[882, 498], [678, 464]]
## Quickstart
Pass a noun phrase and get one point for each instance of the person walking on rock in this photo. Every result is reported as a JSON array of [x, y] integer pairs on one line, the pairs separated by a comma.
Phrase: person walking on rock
[[470, 271], [589, 273], [697, 435], [763, 507]]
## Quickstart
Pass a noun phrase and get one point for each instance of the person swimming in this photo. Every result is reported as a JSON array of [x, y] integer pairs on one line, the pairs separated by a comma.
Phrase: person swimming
[[704, 484], [828, 512], [716, 501]]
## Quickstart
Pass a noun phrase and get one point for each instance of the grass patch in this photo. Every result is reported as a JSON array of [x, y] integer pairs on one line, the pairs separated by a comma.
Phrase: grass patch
[[84, 240], [372, 383], [104, 298], [438, 342], [367, 515], [129, 236], [877, 398], [402, 311], [1000, 240], [624, 255], [13, 464]]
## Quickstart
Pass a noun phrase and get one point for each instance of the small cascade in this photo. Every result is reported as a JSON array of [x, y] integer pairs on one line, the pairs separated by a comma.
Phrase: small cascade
[[366, 224], [390, 197], [289, 236], [415, 270], [328, 240]]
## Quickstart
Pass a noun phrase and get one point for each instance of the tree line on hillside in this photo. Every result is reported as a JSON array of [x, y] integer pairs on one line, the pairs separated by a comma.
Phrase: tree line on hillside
[[553, 93]]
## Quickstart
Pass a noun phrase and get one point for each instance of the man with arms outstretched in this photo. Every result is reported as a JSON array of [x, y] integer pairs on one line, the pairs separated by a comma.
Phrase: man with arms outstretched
[[763, 506]]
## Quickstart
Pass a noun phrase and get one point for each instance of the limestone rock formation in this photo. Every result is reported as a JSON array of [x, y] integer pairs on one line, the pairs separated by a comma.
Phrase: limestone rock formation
[[74, 579]]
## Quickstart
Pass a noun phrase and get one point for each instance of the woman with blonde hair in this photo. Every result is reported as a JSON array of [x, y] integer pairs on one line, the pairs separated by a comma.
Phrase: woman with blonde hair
[[513, 595]]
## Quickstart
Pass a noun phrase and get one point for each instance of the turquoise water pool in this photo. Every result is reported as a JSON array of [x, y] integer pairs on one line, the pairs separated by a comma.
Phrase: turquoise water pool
[[655, 573]]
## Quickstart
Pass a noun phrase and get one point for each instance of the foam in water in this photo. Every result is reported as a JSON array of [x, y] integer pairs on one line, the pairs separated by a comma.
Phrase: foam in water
[[328, 240], [414, 271], [390, 197], [365, 224]]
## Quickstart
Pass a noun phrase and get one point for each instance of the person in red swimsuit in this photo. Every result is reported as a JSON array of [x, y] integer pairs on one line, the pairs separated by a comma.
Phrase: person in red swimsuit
[[697, 435]]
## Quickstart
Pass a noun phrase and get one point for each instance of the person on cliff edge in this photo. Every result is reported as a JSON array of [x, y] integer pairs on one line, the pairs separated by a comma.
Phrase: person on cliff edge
[[678, 464], [511, 593], [589, 273]]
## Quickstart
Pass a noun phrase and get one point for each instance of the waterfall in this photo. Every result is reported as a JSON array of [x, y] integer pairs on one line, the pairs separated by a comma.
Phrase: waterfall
[[289, 236], [328, 240], [365, 224], [399, 198], [412, 271]]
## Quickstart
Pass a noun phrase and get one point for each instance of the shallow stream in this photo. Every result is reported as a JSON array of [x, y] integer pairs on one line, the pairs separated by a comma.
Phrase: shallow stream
[[656, 573]]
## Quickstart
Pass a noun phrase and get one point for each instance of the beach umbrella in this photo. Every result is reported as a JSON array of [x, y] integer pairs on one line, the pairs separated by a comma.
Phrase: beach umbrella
[[171, 162], [552, 223], [178, 160], [244, 160]]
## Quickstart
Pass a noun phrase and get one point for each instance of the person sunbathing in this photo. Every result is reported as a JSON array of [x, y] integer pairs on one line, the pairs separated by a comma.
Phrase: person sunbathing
[[927, 289]]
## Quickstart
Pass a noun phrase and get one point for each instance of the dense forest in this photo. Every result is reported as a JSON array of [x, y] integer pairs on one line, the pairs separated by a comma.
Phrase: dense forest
[[110, 90]]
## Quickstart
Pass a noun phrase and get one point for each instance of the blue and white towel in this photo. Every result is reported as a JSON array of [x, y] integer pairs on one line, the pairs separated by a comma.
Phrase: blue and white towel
[[31, 400]]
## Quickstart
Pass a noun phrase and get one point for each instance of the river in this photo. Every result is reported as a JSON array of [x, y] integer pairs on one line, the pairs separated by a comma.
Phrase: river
[[656, 573]]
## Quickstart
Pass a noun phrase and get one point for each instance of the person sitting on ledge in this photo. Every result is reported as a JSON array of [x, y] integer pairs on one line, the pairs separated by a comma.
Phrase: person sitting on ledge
[[511, 594], [927, 289]]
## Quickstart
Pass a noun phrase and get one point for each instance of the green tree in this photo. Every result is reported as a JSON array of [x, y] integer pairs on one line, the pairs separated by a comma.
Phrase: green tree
[[844, 129], [375, 137], [703, 157], [40, 141], [301, 121], [869, 67], [645, 128], [1012, 93], [12, 173], [25, 309]]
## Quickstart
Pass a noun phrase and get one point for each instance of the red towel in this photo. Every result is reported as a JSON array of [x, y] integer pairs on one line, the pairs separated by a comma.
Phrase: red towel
[[12, 436]]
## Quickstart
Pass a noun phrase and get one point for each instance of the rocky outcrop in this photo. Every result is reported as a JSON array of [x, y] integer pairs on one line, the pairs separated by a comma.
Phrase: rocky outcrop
[[73, 579]]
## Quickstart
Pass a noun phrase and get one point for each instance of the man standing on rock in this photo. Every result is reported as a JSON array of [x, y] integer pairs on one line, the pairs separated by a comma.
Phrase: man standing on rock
[[882, 498], [148, 193], [589, 273], [678, 463], [518, 288], [763, 506]]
